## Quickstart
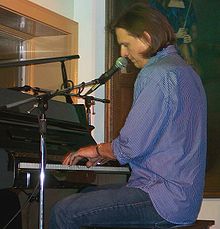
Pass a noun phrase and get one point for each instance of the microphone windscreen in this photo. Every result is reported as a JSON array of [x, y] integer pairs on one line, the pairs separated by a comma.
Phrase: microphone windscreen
[[121, 62]]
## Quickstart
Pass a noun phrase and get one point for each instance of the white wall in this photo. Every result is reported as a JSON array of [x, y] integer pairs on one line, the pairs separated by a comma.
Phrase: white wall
[[90, 14], [64, 8]]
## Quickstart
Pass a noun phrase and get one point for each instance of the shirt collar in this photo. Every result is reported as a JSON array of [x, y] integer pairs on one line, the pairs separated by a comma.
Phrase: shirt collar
[[164, 52]]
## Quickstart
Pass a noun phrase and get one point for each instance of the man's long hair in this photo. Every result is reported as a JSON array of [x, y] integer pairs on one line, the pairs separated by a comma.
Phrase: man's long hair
[[139, 18]]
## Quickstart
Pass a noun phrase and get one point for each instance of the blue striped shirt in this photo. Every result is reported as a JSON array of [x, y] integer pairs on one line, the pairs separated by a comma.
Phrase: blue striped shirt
[[164, 138]]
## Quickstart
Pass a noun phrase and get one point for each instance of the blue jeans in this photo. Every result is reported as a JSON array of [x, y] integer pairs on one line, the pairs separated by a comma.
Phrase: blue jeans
[[106, 207]]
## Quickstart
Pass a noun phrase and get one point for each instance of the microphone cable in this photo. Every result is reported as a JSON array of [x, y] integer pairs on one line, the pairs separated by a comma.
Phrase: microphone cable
[[23, 206]]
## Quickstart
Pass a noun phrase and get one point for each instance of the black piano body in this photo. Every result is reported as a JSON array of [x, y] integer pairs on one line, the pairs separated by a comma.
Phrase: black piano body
[[67, 130]]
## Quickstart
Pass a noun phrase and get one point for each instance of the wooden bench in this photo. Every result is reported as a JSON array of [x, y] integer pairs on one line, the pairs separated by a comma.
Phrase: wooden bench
[[199, 224]]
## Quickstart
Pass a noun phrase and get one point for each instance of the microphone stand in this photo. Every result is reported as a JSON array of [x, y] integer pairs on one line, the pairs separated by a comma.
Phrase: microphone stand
[[42, 105], [90, 100], [43, 151]]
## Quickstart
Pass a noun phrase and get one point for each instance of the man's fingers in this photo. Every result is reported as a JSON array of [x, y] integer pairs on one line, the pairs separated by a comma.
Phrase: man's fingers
[[71, 159], [67, 158], [75, 159], [103, 161], [93, 161]]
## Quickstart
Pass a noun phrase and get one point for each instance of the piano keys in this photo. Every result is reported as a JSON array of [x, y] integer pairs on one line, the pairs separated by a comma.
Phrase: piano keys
[[98, 169], [63, 176]]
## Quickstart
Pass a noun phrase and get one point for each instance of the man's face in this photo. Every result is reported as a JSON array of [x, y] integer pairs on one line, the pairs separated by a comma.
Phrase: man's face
[[132, 47]]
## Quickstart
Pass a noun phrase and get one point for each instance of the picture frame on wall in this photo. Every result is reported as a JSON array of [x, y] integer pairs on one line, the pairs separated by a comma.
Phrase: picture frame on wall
[[198, 41]]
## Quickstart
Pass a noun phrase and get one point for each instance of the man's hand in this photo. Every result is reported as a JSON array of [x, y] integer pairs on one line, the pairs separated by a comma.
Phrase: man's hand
[[88, 152], [99, 154]]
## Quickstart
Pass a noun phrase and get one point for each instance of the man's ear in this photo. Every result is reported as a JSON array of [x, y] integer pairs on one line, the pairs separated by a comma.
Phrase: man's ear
[[147, 37]]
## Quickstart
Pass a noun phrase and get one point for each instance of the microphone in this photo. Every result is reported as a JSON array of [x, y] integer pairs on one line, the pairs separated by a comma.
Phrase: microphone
[[120, 63]]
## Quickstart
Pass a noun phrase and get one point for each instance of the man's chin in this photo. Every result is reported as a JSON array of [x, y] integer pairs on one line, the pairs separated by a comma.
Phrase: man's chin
[[136, 65]]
